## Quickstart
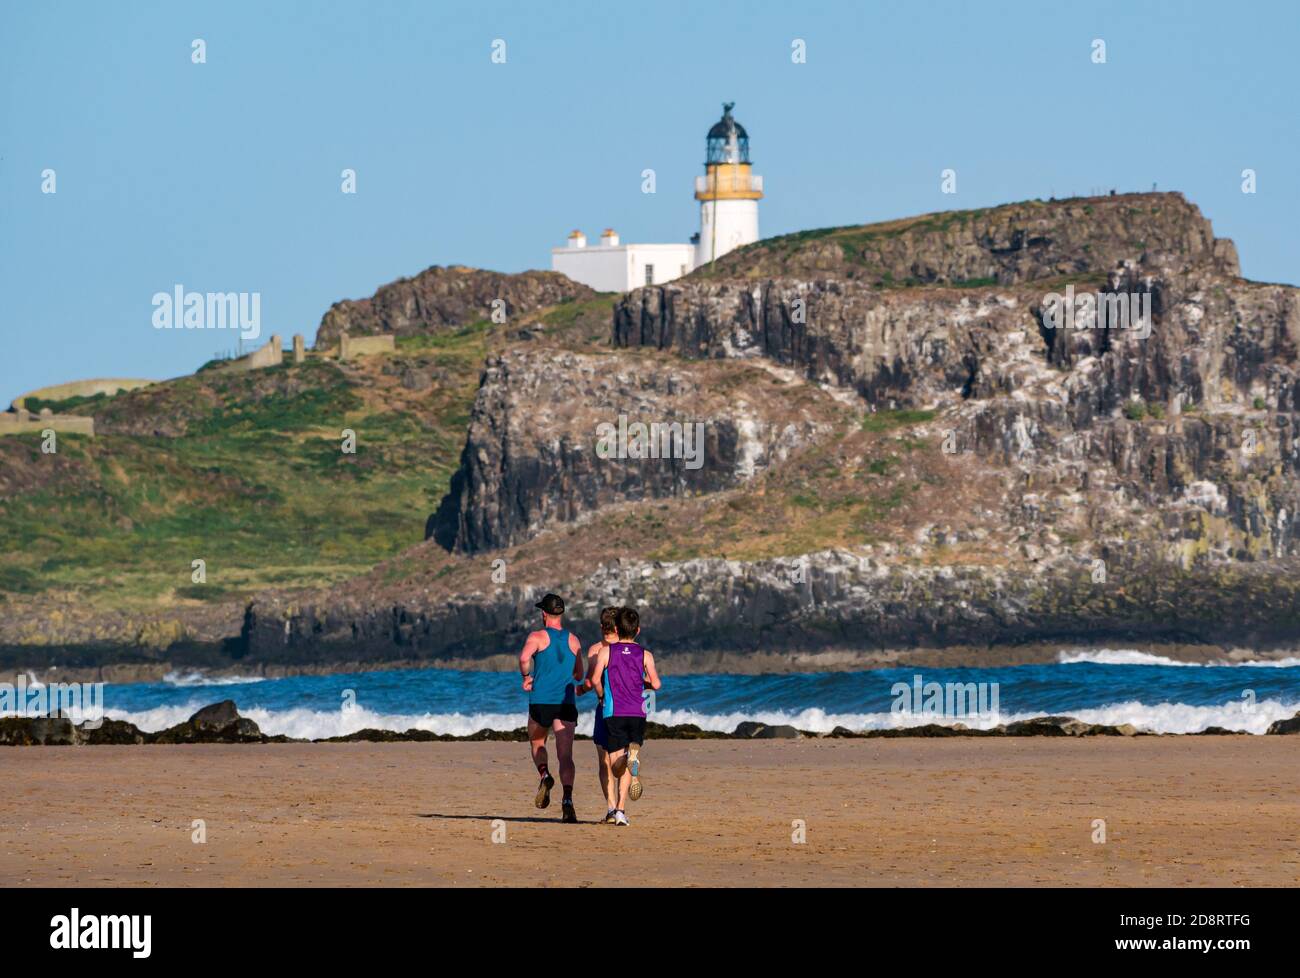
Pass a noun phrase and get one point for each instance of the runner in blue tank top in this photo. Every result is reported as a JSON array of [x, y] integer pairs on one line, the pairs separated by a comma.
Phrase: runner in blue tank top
[[623, 670], [550, 666]]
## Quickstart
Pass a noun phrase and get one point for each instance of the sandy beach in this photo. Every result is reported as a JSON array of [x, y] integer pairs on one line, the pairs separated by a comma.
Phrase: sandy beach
[[1190, 811]]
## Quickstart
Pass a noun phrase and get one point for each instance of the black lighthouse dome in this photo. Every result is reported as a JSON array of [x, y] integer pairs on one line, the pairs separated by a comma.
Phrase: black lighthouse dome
[[728, 142]]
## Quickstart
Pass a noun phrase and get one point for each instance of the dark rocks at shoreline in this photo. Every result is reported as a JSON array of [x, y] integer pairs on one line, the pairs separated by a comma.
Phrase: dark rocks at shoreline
[[1291, 726], [220, 723], [217, 723], [1045, 726], [761, 731], [1064, 727], [27, 731]]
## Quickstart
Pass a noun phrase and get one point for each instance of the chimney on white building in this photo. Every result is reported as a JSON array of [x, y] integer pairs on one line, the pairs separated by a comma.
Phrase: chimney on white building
[[577, 239], [609, 238]]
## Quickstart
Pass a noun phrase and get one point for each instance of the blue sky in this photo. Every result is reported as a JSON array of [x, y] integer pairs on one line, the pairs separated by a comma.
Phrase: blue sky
[[225, 176]]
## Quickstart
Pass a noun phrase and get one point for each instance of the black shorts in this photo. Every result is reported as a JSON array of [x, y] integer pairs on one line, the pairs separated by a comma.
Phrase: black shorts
[[621, 731], [544, 714]]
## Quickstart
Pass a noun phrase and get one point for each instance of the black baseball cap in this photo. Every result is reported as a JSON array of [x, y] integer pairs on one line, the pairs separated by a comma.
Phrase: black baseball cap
[[552, 604]]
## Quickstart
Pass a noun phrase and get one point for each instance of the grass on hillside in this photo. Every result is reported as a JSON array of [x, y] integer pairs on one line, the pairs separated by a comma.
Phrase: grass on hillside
[[257, 486]]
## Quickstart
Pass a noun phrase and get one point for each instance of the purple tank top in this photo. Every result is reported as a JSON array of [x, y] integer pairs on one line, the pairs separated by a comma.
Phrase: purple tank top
[[625, 673]]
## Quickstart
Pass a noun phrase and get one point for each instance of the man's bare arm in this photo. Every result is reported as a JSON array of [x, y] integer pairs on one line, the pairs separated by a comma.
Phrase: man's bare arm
[[532, 645], [599, 671], [576, 648], [593, 654], [651, 676]]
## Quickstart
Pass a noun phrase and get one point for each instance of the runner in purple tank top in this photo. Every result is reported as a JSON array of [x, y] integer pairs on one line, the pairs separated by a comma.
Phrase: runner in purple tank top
[[608, 635], [622, 671]]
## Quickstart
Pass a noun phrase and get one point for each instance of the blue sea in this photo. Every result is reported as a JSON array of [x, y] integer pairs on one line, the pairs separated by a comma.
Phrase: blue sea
[[1118, 686]]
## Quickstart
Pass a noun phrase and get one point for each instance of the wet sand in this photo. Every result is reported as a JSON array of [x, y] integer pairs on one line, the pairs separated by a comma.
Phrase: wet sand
[[1188, 811]]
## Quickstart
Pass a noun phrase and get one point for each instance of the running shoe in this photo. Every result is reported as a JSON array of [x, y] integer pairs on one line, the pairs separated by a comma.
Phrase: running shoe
[[634, 766], [544, 792]]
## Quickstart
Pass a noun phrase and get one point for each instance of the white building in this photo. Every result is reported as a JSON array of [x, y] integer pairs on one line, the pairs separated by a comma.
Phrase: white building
[[728, 194], [614, 267]]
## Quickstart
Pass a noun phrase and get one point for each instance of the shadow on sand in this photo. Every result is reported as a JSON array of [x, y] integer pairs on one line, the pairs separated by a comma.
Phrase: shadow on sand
[[504, 818]]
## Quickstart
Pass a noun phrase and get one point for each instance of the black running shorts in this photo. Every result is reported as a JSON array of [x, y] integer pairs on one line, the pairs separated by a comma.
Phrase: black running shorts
[[621, 731], [544, 714]]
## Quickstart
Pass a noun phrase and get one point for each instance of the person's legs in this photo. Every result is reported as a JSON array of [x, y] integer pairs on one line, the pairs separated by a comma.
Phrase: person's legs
[[602, 771], [622, 777], [599, 736], [564, 751], [537, 744]]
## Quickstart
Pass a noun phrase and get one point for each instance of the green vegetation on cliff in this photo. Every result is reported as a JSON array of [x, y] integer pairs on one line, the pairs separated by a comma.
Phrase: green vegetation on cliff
[[254, 482], [245, 471]]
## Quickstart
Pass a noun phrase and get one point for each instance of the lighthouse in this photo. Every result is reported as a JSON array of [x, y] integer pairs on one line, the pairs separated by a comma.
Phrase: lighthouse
[[728, 196], [728, 192]]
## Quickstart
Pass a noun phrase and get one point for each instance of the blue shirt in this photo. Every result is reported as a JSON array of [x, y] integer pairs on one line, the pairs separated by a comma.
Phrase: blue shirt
[[553, 670]]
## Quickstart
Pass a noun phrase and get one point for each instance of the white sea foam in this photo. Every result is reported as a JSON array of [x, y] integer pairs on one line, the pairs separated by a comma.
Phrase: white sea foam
[[313, 724], [1132, 657], [1154, 717], [309, 724], [196, 678], [158, 717], [1118, 657]]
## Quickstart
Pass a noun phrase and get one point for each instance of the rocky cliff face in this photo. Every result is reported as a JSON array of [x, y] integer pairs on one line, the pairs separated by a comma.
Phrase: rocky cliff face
[[556, 435], [440, 297], [1184, 437], [863, 599], [939, 465]]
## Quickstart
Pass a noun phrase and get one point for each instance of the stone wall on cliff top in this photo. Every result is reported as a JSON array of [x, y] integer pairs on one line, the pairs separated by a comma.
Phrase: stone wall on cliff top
[[530, 456], [441, 297]]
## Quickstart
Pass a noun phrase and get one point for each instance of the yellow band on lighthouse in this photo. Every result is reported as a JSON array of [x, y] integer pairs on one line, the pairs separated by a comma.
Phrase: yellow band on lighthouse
[[729, 181]]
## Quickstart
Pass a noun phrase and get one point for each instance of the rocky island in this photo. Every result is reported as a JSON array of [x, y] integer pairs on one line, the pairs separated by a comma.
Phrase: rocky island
[[899, 451]]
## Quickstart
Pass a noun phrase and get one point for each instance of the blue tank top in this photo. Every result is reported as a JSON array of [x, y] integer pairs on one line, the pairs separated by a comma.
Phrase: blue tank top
[[553, 670]]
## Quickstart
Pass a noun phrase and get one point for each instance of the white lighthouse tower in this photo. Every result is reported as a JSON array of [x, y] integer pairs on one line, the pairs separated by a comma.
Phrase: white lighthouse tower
[[728, 192]]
